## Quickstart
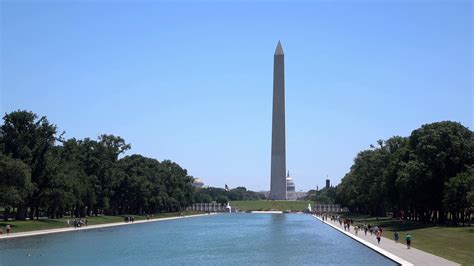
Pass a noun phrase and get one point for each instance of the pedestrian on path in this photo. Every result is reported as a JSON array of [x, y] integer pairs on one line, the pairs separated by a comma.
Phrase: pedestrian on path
[[378, 235], [396, 237], [9, 228], [408, 238]]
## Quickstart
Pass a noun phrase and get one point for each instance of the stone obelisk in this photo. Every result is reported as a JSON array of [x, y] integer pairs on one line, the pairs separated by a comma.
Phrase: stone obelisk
[[278, 168]]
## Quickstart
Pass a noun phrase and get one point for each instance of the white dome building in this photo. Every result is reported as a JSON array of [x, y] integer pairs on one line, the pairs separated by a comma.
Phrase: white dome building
[[198, 183], [290, 188]]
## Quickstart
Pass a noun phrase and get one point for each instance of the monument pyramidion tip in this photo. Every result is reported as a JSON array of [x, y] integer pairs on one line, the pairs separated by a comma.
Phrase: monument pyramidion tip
[[279, 49]]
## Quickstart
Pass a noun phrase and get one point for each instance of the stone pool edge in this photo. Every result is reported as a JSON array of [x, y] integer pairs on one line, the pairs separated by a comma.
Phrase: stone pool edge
[[72, 229], [377, 249]]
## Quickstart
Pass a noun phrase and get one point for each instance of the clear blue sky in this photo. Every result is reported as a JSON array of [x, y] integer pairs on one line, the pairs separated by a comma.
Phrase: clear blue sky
[[192, 82]]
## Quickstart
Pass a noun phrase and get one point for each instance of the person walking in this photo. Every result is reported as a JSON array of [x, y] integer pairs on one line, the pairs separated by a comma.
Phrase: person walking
[[396, 237], [408, 238], [378, 236], [9, 228]]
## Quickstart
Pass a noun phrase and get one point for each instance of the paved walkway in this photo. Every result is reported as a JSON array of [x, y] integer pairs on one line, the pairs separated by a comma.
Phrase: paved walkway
[[390, 249], [69, 229]]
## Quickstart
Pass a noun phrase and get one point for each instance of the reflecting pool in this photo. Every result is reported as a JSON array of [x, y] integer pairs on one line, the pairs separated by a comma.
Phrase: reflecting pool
[[230, 239]]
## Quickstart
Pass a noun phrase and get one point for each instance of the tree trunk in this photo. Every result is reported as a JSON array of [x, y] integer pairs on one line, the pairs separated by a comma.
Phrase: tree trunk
[[6, 214], [21, 213], [442, 216], [32, 213]]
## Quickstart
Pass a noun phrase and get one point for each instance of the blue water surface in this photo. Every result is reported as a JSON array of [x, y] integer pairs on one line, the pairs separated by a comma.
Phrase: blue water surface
[[224, 239]]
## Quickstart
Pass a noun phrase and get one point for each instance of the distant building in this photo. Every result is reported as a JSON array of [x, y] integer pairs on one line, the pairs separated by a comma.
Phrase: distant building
[[197, 183], [290, 188], [328, 183], [301, 195]]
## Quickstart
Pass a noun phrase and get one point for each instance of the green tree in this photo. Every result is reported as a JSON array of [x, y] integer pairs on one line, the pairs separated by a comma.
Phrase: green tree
[[322, 196], [202, 197], [441, 150], [412, 176], [15, 183], [457, 195], [29, 139], [100, 164], [222, 199]]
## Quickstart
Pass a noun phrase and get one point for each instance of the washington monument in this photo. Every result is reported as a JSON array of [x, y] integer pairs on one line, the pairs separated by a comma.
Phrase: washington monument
[[278, 168]]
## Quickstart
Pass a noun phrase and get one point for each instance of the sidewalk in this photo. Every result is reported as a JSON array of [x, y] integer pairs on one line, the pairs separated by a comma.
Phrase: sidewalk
[[70, 229], [395, 251]]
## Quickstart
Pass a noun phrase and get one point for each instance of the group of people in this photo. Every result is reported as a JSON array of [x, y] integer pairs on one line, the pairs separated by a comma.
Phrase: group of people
[[346, 222], [129, 219], [378, 231], [373, 230], [76, 222]]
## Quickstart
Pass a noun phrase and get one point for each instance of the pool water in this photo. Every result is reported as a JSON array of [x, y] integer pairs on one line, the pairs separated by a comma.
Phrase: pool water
[[230, 239]]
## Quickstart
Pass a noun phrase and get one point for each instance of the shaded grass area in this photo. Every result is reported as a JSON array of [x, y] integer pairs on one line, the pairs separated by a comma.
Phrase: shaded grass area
[[44, 224], [265, 205], [452, 243]]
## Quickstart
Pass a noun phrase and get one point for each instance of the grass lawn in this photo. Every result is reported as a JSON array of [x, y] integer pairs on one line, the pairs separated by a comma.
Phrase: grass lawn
[[452, 243], [263, 205], [43, 224]]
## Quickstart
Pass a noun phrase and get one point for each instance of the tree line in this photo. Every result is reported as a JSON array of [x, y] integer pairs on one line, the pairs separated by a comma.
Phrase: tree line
[[323, 196], [427, 176], [220, 195], [41, 173]]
